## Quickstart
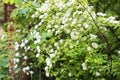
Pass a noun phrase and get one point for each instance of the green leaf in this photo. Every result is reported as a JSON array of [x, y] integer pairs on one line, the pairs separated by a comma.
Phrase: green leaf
[[14, 13], [36, 4], [5, 1], [23, 11], [57, 78], [12, 1]]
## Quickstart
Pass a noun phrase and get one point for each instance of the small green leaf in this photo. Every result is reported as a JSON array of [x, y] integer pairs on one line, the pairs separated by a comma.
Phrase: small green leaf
[[12, 1], [5, 1], [14, 13]]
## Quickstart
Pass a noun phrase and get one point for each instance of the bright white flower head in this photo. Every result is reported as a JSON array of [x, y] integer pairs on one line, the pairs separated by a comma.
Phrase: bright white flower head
[[16, 46], [92, 36], [15, 66], [55, 44], [84, 66], [52, 55], [85, 25], [48, 62], [89, 48], [17, 54], [70, 74], [22, 45], [47, 74], [94, 45], [25, 57], [101, 14], [98, 74], [119, 52], [37, 55], [31, 72], [17, 60]]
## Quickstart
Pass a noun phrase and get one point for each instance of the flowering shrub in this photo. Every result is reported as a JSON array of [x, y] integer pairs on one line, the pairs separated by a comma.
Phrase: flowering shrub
[[66, 40]]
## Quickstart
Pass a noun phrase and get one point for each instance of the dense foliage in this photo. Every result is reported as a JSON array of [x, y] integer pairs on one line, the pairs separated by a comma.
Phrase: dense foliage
[[64, 39]]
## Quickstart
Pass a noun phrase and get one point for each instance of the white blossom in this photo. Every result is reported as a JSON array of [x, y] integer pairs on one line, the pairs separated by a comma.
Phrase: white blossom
[[70, 74], [92, 36], [17, 54], [26, 68], [48, 62], [55, 44], [31, 72], [98, 74], [119, 52], [25, 57], [52, 55], [16, 46], [36, 26], [84, 66], [26, 41], [15, 66], [101, 14], [22, 45], [37, 55], [85, 25], [47, 74], [3, 36], [61, 40], [94, 45], [46, 68], [51, 51], [16, 60], [88, 48]]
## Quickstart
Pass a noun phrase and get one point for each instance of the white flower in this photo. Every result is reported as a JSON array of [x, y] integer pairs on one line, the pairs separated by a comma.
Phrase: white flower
[[17, 60], [70, 74], [52, 55], [37, 55], [22, 45], [47, 74], [36, 26], [36, 13], [26, 41], [55, 44], [16, 46], [27, 68], [94, 45], [56, 26], [68, 12], [31, 72], [27, 73], [25, 57], [38, 49], [71, 47], [49, 31], [88, 48], [28, 47], [48, 62], [51, 51], [61, 40], [33, 16], [85, 25], [74, 21], [92, 36], [84, 66], [119, 52], [15, 66], [17, 54], [3, 36], [101, 14], [46, 68], [57, 32], [97, 74]]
